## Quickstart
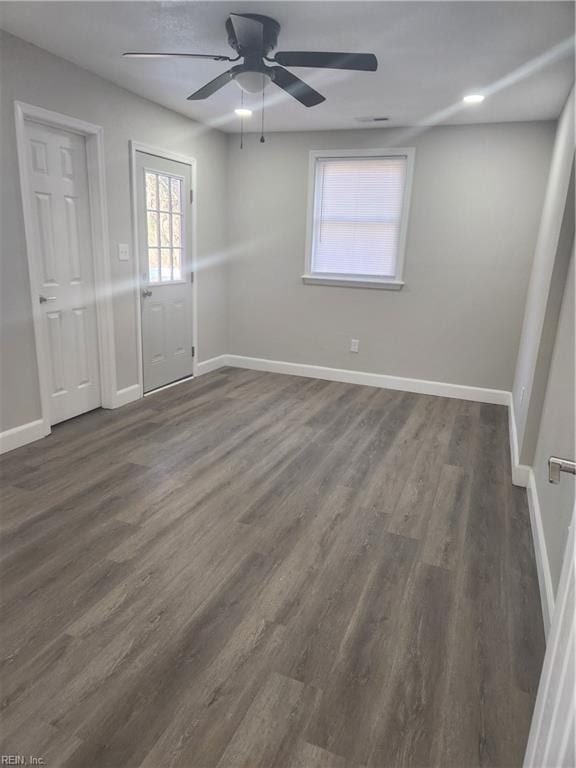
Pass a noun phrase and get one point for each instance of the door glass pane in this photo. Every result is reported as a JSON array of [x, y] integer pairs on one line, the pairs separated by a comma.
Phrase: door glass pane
[[153, 266], [152, 217], [176, 230], [166, 265], [176, 189], [163, 192], [151, 191], [177, 263], [165, 239]]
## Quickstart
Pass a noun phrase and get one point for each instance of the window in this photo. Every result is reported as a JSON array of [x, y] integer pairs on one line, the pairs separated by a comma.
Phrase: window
[[164, 227], [357, 223]]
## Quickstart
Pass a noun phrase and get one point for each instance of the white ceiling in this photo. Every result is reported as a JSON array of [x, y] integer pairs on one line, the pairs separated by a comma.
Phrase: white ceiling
[[430, 54]]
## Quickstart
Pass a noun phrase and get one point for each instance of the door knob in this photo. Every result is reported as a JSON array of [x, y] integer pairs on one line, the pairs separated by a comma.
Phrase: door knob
[[44, 299], [556, 465], [146, 293]]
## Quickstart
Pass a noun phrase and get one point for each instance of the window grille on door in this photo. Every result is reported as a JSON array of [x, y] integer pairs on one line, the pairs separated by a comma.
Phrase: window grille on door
[[164, 226]]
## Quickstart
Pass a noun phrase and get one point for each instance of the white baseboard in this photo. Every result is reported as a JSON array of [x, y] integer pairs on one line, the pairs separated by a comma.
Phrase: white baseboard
[[542, 563], [212, 364], [35, 430], [22, 435], [520, 472], [126, 395], [419, 386]]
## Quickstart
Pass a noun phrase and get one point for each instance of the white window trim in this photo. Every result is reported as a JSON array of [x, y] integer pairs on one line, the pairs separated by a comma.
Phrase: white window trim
[[359, 281]]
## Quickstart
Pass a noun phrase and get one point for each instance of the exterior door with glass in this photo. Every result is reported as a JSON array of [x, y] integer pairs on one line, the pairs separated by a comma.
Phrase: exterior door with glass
[[165, 235]]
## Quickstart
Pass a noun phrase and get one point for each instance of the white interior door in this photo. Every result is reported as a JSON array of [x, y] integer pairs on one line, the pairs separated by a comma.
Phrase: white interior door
[[552, 741], [557, 432], [164, 236], [64, 279]]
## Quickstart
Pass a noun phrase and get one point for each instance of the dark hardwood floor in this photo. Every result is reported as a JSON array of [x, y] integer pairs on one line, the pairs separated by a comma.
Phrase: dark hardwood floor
[[252, 569]]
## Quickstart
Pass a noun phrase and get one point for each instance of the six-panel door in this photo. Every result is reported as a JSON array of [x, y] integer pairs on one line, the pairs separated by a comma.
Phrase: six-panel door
[[58, 177]]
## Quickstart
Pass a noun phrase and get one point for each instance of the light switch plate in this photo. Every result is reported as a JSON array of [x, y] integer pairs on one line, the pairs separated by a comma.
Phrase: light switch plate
[[123, 252]]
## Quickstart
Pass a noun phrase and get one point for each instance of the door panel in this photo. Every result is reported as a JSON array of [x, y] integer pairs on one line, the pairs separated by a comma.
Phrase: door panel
[[73, 240], [81, 338], [56, 352], [155, 332], [58, 176], [164, 235], [67, 165], [39, 156], [178, 322], [46, 239]]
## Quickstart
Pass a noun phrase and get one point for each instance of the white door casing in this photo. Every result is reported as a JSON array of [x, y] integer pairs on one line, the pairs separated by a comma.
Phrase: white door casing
[[552, 740], [61, 226], [93, 136], [164, 236]]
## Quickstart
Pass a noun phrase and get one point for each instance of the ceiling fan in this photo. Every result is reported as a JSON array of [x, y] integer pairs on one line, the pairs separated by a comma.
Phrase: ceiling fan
[[253, 37]]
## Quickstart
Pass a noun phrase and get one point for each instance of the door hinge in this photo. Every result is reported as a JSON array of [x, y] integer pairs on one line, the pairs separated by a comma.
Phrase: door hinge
[[191, 195], [193, 351]]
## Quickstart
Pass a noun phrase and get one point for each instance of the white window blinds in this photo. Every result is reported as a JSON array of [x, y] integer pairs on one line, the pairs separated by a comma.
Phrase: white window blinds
[[357, 220]]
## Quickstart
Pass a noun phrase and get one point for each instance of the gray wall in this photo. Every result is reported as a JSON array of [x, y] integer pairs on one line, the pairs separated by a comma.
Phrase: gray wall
[[556, 435], [476, 203], [552, 254], [34, 76]]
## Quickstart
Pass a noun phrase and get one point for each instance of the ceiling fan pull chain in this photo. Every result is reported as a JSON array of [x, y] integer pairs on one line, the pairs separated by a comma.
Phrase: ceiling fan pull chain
[[262, 139]]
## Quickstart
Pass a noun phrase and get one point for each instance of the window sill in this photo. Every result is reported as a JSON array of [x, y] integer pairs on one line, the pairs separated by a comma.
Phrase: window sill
[[354, 282]]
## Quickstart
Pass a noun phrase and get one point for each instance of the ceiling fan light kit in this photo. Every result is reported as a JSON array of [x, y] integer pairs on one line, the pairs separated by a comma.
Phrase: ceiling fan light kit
[[252, 81], [253, 37]]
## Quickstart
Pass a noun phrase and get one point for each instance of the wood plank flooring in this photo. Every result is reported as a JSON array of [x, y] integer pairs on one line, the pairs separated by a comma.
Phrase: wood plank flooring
[[252, 569]]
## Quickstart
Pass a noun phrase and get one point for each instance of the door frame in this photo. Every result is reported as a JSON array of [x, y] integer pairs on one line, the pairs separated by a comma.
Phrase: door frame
[[150, 149], [94, 142], [554, 713]]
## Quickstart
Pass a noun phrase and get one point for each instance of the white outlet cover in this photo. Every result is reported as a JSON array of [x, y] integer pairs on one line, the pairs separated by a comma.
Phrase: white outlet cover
[[123, 252], [354, 345]]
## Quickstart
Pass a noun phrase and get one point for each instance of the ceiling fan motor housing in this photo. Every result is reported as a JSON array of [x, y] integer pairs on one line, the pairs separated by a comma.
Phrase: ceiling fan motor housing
[[270, 30]]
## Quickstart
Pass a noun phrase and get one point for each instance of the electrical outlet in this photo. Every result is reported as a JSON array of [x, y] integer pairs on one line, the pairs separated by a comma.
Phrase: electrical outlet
[[123, 252], [354, 345]]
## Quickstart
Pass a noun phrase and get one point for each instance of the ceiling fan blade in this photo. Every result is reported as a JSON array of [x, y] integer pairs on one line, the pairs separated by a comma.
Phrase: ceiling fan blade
[[249, 32], [296, 87], [212, 86], [152, 55], [363, 62]]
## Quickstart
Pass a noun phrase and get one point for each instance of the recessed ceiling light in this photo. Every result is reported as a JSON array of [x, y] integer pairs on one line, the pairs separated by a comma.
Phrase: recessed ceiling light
[[243, 112], [473, 98]]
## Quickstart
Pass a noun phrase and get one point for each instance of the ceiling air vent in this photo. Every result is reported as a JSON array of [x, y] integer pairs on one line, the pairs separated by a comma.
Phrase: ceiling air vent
[[372, 119]]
